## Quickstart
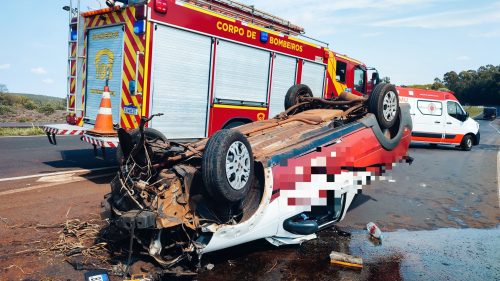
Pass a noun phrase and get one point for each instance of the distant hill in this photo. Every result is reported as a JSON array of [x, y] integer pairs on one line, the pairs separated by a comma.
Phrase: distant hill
[[20, 107], [39, 98]]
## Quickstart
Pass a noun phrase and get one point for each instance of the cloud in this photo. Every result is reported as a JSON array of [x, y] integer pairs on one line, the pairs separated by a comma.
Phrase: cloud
[[460, 18], [5, 66], [39, 70], [48, 81]]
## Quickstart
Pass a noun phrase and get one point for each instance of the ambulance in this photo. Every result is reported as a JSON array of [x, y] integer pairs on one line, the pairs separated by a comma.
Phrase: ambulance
[[438, 118]]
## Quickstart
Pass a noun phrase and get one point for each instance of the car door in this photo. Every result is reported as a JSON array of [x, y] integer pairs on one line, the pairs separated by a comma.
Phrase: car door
[[428, 120], [455, 117]]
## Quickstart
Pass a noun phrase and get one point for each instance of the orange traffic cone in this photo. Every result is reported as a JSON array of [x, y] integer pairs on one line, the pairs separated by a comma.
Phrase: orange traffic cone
[[104, 121]]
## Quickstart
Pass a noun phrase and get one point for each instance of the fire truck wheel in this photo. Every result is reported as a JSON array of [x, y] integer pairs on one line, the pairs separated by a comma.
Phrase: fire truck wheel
[[227, 166], [150, 134], [294, 93], [466, 144], [384, 103]]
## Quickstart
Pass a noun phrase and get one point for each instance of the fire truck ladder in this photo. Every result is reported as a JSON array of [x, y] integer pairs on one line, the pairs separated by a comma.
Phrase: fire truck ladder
[[249, 14], [75, 58]]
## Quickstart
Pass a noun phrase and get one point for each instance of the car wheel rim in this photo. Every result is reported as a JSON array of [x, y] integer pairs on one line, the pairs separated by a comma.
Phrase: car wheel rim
[[237, 165], [390, 106], [469, 143]]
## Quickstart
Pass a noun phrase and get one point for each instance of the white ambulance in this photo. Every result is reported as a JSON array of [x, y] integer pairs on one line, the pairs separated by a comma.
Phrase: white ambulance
[[438, 118]]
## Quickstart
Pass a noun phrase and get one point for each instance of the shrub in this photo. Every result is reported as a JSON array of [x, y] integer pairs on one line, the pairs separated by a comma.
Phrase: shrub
[[5, 109], [30, 105], [46, 109]]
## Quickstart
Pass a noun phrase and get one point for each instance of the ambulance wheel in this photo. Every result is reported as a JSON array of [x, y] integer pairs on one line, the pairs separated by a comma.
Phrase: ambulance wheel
[[466, 144], [149, 133], [227, 166], [384, 103], [294, 93]]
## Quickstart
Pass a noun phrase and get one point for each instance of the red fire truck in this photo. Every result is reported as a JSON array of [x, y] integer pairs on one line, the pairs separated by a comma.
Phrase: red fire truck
[[205, 64]]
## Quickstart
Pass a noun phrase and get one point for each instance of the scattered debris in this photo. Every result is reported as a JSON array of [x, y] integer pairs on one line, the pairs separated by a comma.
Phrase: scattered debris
[[210, 266], [374, 230], [346, 260], [340, 232]]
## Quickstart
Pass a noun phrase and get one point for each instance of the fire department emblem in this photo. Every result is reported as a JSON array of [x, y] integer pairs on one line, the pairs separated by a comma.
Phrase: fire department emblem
[[104, 60], [261, 116]]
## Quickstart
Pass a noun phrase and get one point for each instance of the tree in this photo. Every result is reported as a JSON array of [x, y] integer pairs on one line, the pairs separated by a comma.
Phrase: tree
[[3, 88], [480, 87]]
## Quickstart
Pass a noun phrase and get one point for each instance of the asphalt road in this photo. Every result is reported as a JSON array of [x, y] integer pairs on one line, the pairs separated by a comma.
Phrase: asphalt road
[[21, 156], [440, 218]]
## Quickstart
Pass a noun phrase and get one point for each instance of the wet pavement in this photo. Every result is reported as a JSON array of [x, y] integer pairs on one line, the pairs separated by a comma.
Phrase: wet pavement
[[443, 254]]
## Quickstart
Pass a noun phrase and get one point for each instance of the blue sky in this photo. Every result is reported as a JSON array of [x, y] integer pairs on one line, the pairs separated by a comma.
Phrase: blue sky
[[411, 41]]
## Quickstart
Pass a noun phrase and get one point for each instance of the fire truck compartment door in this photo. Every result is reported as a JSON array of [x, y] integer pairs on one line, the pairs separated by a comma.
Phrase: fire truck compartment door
[[105, 57], [313, 75], [180, 82], [241, 73], [284, 68]]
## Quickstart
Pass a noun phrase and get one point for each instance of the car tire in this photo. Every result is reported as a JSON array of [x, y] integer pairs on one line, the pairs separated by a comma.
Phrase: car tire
[[294, 93], [384, 104], [149, 133], [227, 166], [467, 142]]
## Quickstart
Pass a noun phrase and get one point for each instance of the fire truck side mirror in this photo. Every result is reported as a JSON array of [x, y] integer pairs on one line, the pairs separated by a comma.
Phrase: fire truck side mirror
[[375, 78]]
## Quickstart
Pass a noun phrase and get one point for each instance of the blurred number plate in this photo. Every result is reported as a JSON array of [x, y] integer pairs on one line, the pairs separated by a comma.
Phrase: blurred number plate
[[130, 110]]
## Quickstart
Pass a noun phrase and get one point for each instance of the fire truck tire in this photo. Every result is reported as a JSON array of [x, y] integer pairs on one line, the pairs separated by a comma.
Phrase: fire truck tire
[[227, 166], [466, 143], [149, 133], [293, 94], [384, 104]]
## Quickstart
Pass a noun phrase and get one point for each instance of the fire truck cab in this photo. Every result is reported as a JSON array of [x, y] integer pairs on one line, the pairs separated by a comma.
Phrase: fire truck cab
[[205, 64]]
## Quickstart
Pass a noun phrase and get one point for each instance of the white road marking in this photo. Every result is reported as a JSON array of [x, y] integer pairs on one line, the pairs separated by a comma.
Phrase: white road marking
[[44, 136], [498, 131], [73, 179], [58, 173]]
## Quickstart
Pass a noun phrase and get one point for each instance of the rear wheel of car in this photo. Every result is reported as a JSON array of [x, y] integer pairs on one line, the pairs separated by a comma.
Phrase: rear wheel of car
[[149, 134], [384, 103], [227, 166], [466, 144], [294, 93]]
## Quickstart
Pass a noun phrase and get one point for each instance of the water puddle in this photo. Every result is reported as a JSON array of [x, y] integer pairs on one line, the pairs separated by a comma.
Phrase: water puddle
[[443, 254]]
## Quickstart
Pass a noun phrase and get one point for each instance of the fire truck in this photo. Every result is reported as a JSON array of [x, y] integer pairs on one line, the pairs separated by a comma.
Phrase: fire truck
[[204, 64]]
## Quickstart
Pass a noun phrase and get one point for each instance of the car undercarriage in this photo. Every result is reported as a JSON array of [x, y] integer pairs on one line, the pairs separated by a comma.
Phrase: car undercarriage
[[282, 179]]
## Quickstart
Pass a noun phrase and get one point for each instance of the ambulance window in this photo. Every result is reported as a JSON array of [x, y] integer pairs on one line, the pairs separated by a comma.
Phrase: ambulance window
[[454, 110], [427, 107], [341, 71], [359, 80]]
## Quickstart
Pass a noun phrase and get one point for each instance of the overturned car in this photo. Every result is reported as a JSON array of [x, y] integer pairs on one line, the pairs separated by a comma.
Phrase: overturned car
[[282, 179]]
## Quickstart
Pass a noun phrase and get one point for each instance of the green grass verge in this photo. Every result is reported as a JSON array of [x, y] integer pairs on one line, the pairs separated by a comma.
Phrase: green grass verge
[[31, 131], [474, 110]]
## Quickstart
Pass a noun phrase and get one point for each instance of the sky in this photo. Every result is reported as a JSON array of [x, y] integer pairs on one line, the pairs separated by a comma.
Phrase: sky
[[410, 41]]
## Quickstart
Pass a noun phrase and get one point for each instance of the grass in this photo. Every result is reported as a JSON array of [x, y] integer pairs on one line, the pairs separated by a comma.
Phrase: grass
[[32, 131], [473, 110]]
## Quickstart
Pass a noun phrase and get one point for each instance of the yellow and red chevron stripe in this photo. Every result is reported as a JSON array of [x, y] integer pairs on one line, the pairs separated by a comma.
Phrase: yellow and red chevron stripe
[[132, 44], [332, 83]]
